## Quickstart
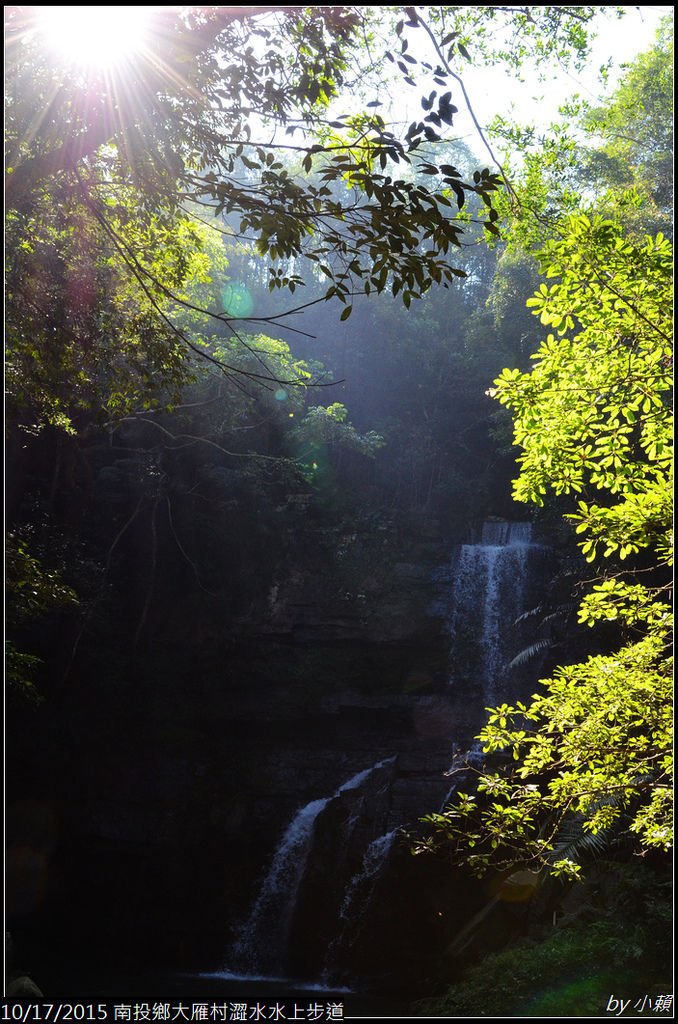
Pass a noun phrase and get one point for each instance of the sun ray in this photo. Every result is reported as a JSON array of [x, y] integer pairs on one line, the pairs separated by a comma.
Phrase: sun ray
[[94, 37]]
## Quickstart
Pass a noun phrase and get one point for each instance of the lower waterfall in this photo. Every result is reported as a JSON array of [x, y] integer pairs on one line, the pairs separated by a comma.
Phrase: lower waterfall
[[358, 894], [263, 938], [261, 946]]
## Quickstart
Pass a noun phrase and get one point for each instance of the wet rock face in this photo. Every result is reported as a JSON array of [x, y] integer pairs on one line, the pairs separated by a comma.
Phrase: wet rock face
[[352, 820], [176, 791], [385, 606], [185, 771]]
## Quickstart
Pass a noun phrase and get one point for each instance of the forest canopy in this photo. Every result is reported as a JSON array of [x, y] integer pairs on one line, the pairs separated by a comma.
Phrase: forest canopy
[[232, 114], [202, 123]]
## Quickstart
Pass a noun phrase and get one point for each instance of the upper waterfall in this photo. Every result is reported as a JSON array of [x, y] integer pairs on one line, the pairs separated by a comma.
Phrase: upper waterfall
[[489, 586]]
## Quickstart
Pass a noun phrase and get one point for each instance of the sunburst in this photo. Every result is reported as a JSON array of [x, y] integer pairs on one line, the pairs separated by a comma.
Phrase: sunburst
[[94, 37]]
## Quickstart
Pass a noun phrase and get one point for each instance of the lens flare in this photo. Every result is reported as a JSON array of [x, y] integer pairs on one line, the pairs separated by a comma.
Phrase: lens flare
[[237, 299], [98, 37]]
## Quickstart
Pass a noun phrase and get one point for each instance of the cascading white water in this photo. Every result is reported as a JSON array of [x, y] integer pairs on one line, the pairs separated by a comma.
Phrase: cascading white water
[[262, 941], [362, 882], [359, 890], [487, 597]]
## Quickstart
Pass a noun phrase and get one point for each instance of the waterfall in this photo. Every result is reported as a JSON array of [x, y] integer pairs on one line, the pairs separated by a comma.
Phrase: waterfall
[[373, 858], [262, 941], [362, 883], [358, 894], [488, 594]]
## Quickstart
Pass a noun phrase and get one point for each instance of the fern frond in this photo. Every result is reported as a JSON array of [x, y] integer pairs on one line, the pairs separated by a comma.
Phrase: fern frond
[[573, 840], [528, 653], [529, 614]]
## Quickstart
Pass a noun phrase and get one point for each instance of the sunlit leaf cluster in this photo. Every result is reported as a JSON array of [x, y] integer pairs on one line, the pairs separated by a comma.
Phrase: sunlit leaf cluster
[[592, 417], [592, 414]]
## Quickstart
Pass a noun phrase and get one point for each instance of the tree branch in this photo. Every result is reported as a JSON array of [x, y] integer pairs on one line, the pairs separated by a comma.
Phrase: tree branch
[[26, 176]]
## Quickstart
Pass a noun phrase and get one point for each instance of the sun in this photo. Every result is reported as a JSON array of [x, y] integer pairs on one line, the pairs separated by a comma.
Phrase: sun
[[96, 37]]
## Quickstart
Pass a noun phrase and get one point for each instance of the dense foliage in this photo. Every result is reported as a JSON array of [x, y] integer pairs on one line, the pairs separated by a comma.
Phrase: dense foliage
[[610, 938], [592, 417], [209, 76]]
